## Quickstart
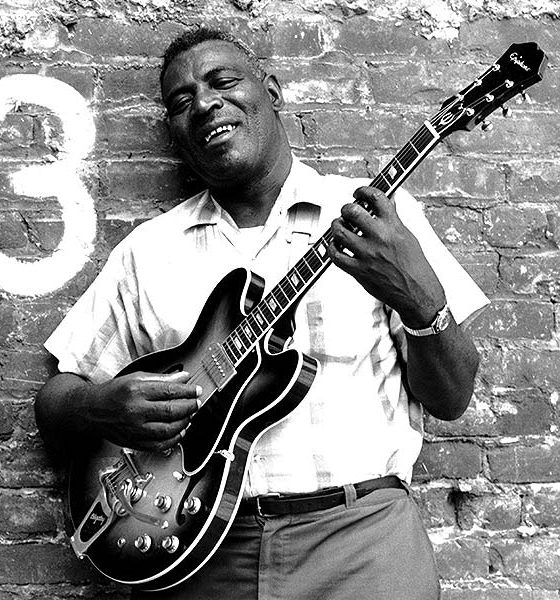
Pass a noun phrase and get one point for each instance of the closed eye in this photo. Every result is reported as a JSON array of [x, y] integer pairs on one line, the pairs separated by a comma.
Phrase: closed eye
[[179, 105]]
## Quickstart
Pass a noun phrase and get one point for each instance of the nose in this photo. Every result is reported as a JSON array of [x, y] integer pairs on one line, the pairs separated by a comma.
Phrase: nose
[[206, 99]]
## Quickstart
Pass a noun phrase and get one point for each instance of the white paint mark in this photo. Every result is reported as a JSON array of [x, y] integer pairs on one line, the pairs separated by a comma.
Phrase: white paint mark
[[60, 179]]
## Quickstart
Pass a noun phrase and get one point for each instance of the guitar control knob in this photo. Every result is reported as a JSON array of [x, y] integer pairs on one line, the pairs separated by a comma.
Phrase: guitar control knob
[[170, 543], [193, 505], [143, 542], [162, 502]]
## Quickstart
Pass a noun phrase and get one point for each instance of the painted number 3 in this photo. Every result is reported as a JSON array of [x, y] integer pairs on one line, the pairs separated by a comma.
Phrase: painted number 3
[[60, 179]]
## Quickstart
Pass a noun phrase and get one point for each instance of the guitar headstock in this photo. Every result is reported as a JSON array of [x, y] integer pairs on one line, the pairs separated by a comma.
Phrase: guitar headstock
[[521, 66]]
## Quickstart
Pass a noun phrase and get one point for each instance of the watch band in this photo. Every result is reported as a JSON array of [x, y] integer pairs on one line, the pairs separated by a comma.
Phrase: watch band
[[439, 324]]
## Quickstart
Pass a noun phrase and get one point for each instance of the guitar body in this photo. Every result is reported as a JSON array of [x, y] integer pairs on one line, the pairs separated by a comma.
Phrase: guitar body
[[152, 520], [201, 480]]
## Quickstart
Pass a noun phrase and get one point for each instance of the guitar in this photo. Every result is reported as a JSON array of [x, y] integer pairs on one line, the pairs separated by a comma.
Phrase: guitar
[[151, 519]]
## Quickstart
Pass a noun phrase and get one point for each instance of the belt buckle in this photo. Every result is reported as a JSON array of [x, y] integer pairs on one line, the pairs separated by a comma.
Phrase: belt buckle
[[258, 502]]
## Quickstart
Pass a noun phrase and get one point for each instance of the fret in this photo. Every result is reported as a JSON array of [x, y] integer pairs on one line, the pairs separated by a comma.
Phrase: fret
[[260, 318], [273, 306], [287, 288], [280, 297], [315, 260], [254, 324], [248, 331], [264, 309], [239, 346], [304, 269], [295, 278], [246, 341], [231, 352]]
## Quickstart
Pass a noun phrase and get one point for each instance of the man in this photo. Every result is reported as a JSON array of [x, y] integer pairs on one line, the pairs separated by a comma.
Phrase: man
[[333, 476]]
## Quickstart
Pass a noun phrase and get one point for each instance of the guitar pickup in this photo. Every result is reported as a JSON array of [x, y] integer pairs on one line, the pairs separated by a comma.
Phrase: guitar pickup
[[218, 366]]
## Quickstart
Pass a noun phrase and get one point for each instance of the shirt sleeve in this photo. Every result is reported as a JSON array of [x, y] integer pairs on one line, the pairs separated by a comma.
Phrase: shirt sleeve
[[466, 300], [96, 339]]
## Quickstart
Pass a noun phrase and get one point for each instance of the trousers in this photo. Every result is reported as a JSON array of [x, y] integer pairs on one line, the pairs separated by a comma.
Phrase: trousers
[[372, 548]]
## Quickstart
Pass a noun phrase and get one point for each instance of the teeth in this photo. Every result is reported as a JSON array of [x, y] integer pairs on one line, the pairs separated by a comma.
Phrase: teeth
[[217, 131]]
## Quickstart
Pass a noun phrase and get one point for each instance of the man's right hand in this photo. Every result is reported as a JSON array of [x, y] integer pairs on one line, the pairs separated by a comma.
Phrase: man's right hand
[[143, 411]]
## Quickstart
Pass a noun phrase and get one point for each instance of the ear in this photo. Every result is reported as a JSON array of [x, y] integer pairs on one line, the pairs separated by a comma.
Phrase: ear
[[274, 90]]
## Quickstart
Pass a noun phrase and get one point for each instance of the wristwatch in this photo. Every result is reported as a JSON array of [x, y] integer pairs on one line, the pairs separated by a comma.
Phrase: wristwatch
[[439, 324]]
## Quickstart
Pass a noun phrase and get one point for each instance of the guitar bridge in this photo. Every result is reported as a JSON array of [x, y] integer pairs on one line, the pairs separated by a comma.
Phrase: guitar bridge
[[218, 366]]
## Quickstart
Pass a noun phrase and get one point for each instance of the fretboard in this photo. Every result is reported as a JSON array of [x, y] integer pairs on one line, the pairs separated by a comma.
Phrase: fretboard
[[314, 262]]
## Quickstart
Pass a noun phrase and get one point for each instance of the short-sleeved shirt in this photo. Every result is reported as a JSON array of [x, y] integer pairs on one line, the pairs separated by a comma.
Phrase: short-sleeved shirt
[[357, 421]]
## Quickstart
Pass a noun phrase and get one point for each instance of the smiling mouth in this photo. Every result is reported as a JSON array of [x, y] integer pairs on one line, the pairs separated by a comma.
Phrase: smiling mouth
[[219, 131]]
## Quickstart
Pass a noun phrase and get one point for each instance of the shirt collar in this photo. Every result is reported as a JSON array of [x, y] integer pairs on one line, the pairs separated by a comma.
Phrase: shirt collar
[[202, 209]]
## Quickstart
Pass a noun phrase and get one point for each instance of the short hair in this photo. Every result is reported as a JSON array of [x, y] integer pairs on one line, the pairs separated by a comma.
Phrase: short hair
[[198, 34]]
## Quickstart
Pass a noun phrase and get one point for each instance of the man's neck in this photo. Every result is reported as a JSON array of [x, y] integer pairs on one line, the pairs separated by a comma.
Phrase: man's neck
[[250, 203]]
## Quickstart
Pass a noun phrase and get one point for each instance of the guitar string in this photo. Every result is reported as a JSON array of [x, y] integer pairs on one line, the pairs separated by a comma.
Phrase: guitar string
[[408, 152]]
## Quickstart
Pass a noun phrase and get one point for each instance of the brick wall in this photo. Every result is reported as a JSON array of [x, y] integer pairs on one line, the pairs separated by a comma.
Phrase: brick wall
[[360, 77]]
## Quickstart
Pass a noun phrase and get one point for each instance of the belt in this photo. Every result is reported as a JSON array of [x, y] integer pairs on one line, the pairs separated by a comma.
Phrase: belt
[[287, 504]]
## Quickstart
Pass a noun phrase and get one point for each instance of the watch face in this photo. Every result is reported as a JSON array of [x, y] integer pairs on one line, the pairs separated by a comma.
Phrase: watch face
[[443, 319]]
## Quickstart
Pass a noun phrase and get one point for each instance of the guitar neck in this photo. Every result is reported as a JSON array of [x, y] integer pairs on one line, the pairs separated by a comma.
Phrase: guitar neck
[[299, 279]]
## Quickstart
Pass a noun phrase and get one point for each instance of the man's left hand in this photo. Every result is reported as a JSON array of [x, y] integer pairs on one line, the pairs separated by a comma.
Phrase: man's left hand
[[386, 258]]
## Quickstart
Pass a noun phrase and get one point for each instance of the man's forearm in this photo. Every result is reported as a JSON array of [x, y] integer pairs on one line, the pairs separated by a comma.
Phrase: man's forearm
[[60, 411], [441, 370]]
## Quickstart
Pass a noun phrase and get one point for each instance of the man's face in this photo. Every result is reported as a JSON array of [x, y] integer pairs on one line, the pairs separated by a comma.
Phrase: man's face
[[222, 116]]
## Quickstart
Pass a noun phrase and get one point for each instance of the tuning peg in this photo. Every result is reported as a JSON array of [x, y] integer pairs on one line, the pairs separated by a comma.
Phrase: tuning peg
[[487, 126], [506, 111], [524, 97]]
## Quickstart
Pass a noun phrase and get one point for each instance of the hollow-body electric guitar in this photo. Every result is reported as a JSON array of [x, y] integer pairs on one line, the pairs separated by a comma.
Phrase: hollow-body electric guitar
[[153, 519]]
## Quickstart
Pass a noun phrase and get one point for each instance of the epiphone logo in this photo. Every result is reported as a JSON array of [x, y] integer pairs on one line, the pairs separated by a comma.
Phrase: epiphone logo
[[97, 518], [514, 57]]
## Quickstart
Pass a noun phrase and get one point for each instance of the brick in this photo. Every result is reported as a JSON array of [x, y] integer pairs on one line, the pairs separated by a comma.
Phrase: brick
[[378, 130], [435, 507], [129, 134], [132, 83], [523, 464], [16, 134], [542, 504], [6, 420], [427, 82], [461, 557], [457, 226], [320, 82], [80, 78], [296, 38], [23, 371], [477, 420], [489, 592], [130, 181], [517, 366], [448, 459], [537, 275], [491, 37], [9, 325], [516, 319], [536, 561], [534, 181], [512, 227], [294, 130], [362, 36], [109, 37], [39, 320], [529, 132], [522, 412], [28, 514], [42, 563], [458, 181], [482, 267], [493, 512], [25, 464]]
